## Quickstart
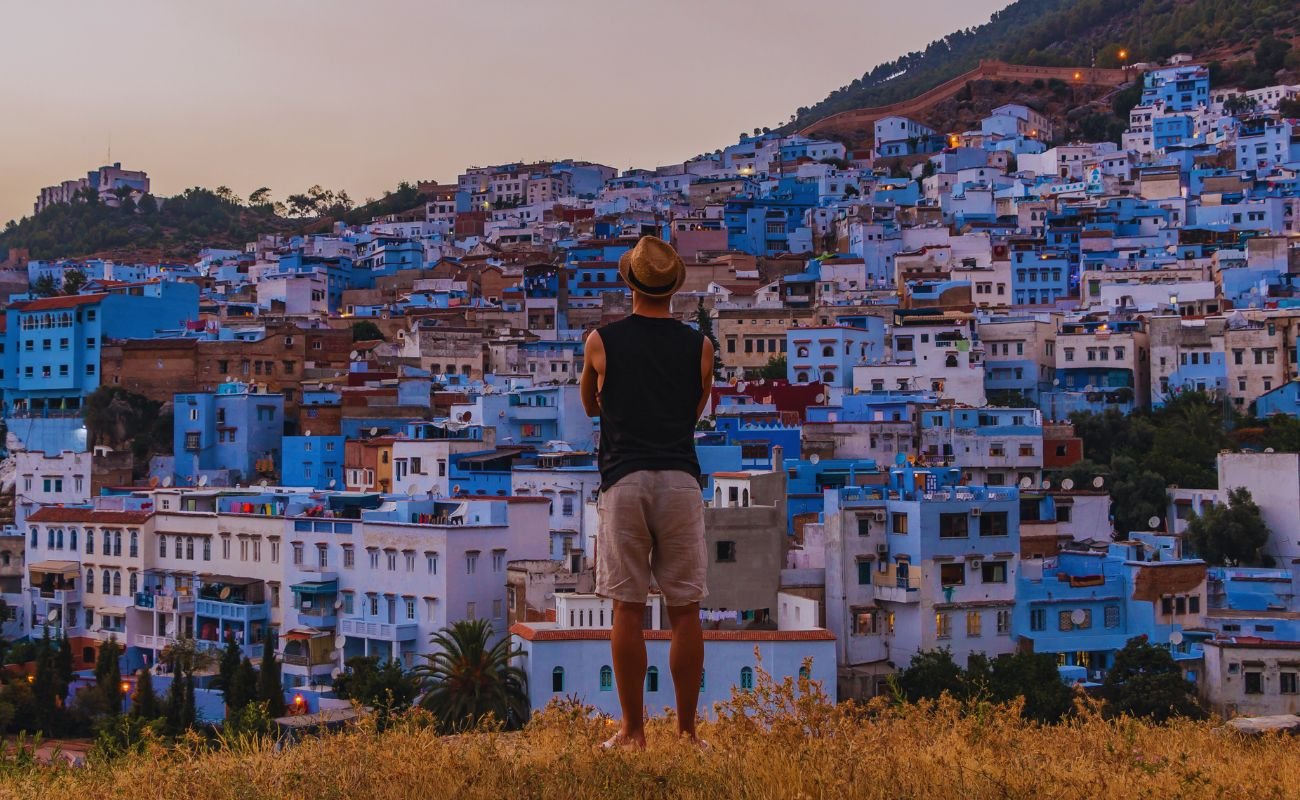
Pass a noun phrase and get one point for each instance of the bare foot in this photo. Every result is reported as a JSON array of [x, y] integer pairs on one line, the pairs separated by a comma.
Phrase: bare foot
[[624, 741]]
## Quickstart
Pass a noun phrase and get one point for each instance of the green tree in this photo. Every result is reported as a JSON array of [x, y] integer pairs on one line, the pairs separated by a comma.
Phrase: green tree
[[774, 369], [73, 281], [1137, 494], [270, 688], [108, 675], [45, 692], [63, 663], [45, 286], [1145, 681], [1033, 676], [259, 197], [384, 687], [366, 331], [183, 658], [1231, 533], [144, 703], [1270, 54], [231, 655], [704, 323], [243, 687], [930, 674], [468, 679]]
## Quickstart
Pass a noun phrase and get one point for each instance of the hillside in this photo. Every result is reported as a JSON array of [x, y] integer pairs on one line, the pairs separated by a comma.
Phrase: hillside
[[177, 228], [1075, 33], [793, 749]]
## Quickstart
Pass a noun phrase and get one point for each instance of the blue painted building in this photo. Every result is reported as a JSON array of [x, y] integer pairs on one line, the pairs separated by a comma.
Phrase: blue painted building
[[315, 461], [234, 433], [1041, 278], [828, 354], [1285, 399], [1181, 88]]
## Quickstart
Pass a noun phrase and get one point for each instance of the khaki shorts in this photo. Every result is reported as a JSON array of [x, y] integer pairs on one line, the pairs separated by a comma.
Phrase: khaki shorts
[[652, 524]]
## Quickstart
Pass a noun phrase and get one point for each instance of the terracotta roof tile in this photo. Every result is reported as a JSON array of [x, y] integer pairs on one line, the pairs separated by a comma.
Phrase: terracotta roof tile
[[52, 303], [533, 634], [83, 515]]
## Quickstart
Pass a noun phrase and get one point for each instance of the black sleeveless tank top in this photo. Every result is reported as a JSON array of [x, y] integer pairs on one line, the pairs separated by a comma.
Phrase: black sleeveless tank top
[[649, 399]]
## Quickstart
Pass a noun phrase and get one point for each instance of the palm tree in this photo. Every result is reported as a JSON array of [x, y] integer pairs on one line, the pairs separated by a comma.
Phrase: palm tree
[[467, 679]]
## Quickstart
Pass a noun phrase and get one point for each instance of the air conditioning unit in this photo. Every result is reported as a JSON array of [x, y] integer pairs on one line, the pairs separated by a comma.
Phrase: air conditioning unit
[[976, 564], [882, 550], [974, 512], [878, 516]]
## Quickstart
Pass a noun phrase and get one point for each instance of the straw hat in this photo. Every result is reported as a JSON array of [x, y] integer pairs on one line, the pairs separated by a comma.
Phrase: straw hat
[[653, 268]]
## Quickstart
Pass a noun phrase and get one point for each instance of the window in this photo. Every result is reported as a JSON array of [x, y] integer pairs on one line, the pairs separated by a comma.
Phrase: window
[[1038, 619], [726, 552], [993, 523], [391, 557], [410, 607], [297, 553], [162, 546], [374, 558], [135, 543], [994, 572], [408, 556], [1287, 683], [606, 678], [432, 562], [974, 624], [275, 551], [953, 526], [557, 680], [90, 540], [349, 556], [952, 574], [1111, 616], [322, 555], [192, 441], [864, 573], [1254, 683], [746, 679], [942, 625], [498, 560], [207, 549], [898, 523], [652, 679], [1004, 621]]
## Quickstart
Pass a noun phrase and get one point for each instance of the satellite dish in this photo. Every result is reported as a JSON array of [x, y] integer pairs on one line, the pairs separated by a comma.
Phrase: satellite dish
[[332, 482], [1175, 637], [1098, 482], [52, 615], [1047, 484], [1266, 450], [1026, 482], [814, 459], [1154, 522], [307, 433], [153, 482], [203, 480], [732, 380], [167, 481], [740, 386], [1056, 381], [353, 355], [411, 490], [334, 673], [263, 483], [338, 604], [224, 594], [467, 416], [374, 431], [1067, 484], [455, 490], [340, 640], [821, 397], [1078, 615]]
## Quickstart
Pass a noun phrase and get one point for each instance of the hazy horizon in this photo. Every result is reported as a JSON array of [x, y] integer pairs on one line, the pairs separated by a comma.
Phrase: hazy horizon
[[295, 93]]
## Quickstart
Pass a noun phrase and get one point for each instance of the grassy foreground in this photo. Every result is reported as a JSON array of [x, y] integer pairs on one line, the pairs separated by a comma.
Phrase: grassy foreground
[[772, 743]]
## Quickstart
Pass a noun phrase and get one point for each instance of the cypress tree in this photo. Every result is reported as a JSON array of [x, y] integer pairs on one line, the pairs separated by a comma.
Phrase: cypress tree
[[144, 703], [226, 668], [270, 689], [63, 664], [108, 675], [243, 687], [45, 685]]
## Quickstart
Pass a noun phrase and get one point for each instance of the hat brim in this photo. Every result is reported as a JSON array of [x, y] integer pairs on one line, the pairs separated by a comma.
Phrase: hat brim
[[624, 272]]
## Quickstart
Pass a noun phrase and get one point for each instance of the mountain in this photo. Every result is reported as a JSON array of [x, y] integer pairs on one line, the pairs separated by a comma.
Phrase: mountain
[[1103, 33]]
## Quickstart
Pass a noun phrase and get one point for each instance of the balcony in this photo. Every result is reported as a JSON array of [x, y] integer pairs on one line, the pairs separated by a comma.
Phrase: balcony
[[900, 591], [534, 413], [241, 612], [150, 642], [321, 618], [304, 660], [382, 631], [60, 596]]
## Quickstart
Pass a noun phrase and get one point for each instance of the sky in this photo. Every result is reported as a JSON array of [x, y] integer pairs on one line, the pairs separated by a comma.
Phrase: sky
[[362, 95]]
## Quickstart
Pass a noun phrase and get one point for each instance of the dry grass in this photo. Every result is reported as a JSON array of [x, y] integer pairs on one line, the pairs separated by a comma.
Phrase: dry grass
[[776, 742]]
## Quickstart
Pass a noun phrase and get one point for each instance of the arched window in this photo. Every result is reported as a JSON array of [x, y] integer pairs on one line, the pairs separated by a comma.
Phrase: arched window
[[90, 580], [72, 538], [106, 585], [606, 678], [557, 680], [802, 377], [58, 538], [950, 360], [117, 543], [35, 539], [90, 540], [828, 377], [162, 546], [135, 543], [133, 585], [828, 352], [652, 679], [744, 498], [746, 678], [801, 352], [49, 538], [117, 582]]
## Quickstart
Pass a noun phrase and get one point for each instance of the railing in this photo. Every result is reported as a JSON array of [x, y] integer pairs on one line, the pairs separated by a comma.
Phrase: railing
[[298, 660], [901, 590], [151, 642], [239, 611], [384, 631]]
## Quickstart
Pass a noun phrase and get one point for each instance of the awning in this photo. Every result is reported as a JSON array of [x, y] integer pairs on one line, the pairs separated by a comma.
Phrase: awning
[[57, 567], [229, 580], [315, 587], [303, 634]]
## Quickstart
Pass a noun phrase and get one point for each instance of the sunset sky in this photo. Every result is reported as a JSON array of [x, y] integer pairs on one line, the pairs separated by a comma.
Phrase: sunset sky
[[359, 96]]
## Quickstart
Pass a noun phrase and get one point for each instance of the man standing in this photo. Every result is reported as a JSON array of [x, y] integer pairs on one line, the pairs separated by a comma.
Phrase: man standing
[[648, 378]]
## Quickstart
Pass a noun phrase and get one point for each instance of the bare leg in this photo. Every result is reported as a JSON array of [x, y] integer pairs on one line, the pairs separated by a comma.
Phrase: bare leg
[[628, 647], [686, 660]]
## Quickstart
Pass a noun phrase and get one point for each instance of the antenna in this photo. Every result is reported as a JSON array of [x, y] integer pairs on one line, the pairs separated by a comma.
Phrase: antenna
[[203, 480]]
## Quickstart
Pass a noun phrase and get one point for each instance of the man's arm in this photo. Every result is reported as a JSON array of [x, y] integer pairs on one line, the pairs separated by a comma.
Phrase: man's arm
[[593, 371], [706, 375]]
